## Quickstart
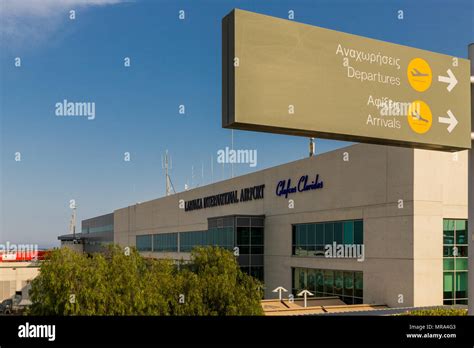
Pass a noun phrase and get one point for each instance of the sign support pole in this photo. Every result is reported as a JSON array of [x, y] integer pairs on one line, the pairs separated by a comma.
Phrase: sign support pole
[[470, 188]]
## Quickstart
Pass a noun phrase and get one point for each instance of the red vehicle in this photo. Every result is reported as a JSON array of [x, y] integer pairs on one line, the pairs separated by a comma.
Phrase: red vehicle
[[19, 256]]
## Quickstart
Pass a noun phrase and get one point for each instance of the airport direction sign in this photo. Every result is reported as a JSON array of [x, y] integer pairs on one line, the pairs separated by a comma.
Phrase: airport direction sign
[[285, 77]]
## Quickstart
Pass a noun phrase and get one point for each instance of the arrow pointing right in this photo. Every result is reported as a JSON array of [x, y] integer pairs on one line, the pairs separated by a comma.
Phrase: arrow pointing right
[[450, 79], [451, 120], [279, 290]]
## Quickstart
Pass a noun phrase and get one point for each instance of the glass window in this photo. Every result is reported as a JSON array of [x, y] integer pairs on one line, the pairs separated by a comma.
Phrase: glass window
[[244, 249], [461, 264], [448, 285], [243, 235], [348, 232], [348, 283], [105, 228], [144, 242], [230, 237], [329, 281], [461, 236], [358, 284], [310, 239], [303, 235], [448, 237], [258, 222], [447, 251], [461, 284], [448, 264], [455, 252], [256, 249], [257, 272], [358, 232], [220, 236], [212, 237], [338, 232], [311, 234], [298, 234], [448, 225], [165, 242], [311, 250], [224, 237], [338, 282], [462, 251], [302, 278], [328, 233], [460, 225], [293, 234], [319, 280], [320, 234], [244, 222], [311, 286], [256, 234]]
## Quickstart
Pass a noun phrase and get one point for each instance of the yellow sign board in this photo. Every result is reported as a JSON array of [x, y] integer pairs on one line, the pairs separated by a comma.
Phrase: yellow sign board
[[285, 77]]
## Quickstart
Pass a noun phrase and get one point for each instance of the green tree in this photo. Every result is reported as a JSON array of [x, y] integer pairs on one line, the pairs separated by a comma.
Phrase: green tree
[[224, 288], [119, 283]]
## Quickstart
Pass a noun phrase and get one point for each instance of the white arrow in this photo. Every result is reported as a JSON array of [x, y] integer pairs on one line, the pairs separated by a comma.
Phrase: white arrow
[[305, 293], [451, 79], [279, 290], [451, 120]]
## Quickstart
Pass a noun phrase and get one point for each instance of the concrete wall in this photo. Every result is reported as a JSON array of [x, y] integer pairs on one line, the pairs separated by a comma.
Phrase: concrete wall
[[14, 276], [440, 193], [378, 184], [367, 186]]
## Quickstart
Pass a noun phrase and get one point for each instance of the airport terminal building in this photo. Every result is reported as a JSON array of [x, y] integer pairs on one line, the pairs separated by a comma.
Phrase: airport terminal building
[[370, 224]]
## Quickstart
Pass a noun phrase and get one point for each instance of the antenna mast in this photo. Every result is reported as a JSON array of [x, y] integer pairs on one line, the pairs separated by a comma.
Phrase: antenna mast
[[232, 163], [212, 169], [72, 224], [167, 165], [202, 173]]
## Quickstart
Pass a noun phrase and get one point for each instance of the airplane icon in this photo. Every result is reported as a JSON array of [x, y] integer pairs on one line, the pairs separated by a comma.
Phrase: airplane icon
[[415, 114], [416, 72]]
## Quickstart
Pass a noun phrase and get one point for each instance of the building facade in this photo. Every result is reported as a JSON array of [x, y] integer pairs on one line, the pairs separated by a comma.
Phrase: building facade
[[370, 224], [95, 234], [15, 278]]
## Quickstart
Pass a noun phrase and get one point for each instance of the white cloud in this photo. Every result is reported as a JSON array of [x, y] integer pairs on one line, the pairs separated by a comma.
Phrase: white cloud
[[31, 21]]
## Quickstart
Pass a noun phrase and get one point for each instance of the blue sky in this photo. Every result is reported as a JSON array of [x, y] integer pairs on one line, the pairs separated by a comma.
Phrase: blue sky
[[173, 62]]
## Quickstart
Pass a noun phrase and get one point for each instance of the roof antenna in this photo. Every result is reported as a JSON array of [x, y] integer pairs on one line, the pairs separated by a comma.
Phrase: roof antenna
[[232, 163], [167, 165], [212, 169], [72, 223]]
